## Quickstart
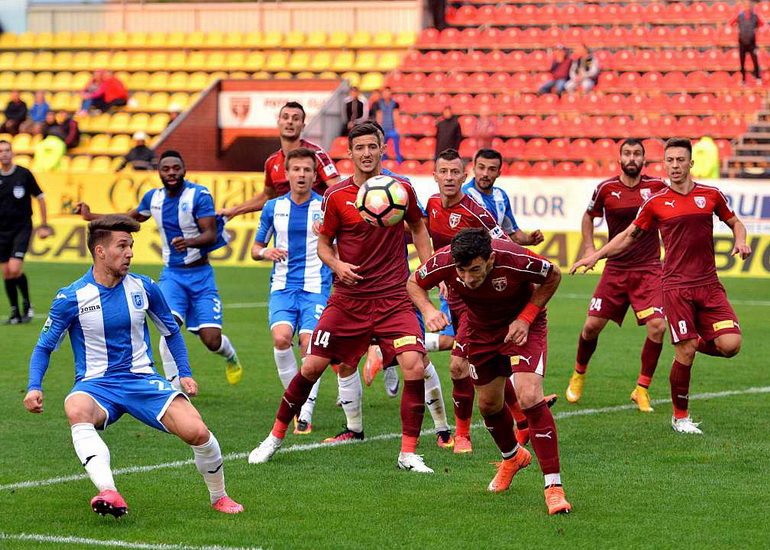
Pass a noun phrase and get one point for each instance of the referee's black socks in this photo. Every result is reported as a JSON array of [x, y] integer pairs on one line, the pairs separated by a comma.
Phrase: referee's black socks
[[10, 290], [21, 283]]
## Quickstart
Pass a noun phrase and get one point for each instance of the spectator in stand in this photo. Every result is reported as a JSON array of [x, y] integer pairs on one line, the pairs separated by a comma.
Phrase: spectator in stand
[[113, 93], [449, 135], [174, 110], [486, 129], [48, 124], [355, 111], [66, 129], [748, 22], [387, 117], [560, 67], [140, 157], [584, 71], [15, 114], [374, 100], [437, 10], [37, 115], [88, 92], [48, 153]]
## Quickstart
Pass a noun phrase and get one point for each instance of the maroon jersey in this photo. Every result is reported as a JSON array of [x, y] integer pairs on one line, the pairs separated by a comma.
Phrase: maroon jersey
[[380, 252], [444, 223], [275, 170], [503, 294], [686, 224], [619, 205]]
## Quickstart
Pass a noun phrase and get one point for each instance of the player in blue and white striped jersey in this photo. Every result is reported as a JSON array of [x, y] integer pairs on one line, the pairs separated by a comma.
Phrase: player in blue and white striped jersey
[[487, 165], [300, 283], [189, 230], [104, 313]]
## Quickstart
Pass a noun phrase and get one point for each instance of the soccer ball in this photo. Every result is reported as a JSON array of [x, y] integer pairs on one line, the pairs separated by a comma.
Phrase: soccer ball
[[382, 201]]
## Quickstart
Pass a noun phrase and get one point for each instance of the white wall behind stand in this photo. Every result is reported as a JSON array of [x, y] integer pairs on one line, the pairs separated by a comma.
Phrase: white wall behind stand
[[13, 15]]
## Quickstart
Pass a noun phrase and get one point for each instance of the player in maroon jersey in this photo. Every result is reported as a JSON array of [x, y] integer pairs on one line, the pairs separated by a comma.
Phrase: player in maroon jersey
[[631, 278], [291, 122], [505, 288], [369, 301], [700, 317]]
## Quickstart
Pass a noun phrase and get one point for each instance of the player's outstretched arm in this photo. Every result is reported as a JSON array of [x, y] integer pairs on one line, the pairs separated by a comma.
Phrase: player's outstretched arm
[[527, 239], [435, 320], [616, 246], [84, 211], [254, 204], [421, 239], [587, 229], [739, 233]]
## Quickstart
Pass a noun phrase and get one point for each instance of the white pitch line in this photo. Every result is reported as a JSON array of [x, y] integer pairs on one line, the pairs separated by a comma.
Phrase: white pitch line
[[381, 437], [114, 543]]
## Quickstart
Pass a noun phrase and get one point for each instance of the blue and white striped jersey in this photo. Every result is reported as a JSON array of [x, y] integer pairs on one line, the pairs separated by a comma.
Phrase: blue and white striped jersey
[[291, 225], [107, 326], [498, 204], [178, 217]]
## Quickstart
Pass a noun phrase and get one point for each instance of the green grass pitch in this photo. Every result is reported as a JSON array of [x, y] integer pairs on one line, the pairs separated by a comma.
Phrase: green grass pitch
[[632, 481]]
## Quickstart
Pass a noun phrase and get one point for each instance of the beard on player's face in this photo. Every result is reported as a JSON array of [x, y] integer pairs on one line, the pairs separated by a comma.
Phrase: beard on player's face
[[172, 179], [631, 168]]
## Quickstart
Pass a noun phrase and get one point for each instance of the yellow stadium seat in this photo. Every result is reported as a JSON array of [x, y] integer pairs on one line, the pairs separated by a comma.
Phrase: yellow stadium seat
[[138, 81], [177, 81], [7, 59], [119, 61], [22, 160], [293, 39], [7, 78], [84, 124], [176, 61], [320, 61], [234, 39], [272, 39], [215, 61], [215, 39], [299, 61], [372, 81], [98, 124], [193, 98], [8, 40], [138, 101], [44, 62], [62, 81], [158, 123], [261, 75], [304, 75], [64, 164], [217, 76], [179, 99], [81, 79], [405, 39], [158, 61], [63, 39], [81, 40], [24, 61], [120, 145], [255, 61], [27, 97], [252, 39], [26, 40], [276, 61], [44, 40], [316, 39], [156, 40], [22, 144], [100, 143], [137, 40], [328, 75], [343, 62], [383, 39], [24, 80], [119, 123], [60, 101], [118, 39], [365, 61], [158, 81], [137, 61], [388, 61], [43, 81], [238, 75], [196, 61], [100, 40], [82, 148], [158, 102], [338, 39], [139, 123], [236, 61], [101, 60], [195, 39], [81, 61], [101, 164], [176, 39], [360, 39], [283, 75], [81, 163], [197, 81], [354, 79]]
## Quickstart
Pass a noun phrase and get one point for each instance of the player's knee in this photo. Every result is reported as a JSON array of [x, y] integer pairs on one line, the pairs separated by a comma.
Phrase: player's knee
[[656, 329], [197, 435], [489, 406], [458, 368], [685, 351], [14, 272], [212, 341], [730, 347], [591, 329], [528, 396], [281, 341]]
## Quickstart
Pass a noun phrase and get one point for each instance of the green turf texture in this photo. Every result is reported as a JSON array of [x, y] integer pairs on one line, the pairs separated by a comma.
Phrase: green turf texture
[[632, 481]]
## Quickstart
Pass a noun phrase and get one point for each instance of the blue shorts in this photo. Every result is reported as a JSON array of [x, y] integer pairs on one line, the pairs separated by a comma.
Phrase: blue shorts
[[192, 296], [449, 329], [144, 396], [297, 308]]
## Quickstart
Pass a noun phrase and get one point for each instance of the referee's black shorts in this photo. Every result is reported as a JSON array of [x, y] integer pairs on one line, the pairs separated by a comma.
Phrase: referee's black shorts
[[15, 242]]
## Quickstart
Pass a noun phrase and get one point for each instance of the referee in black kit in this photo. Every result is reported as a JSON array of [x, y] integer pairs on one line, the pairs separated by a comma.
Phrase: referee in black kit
[[17, 187]]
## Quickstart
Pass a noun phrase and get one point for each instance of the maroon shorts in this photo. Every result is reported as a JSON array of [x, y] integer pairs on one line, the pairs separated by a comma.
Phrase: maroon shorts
[[617, 289], [349, 325], [699, 311], [460, 325], [493, 357]]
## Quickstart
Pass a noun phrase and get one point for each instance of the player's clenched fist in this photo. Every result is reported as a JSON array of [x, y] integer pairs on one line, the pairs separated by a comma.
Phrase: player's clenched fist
[[179, 243], [33, 401], [347, 273], [189, 386], [436, 321], [517, 332]]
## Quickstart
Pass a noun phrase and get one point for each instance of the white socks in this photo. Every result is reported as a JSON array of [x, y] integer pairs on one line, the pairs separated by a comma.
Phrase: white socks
[[306, 412], [552, 479], [208, 459], [226, 350], [170, 369], [432, 341], [94, 455], [434, 399], [350, 397], [286, 362]]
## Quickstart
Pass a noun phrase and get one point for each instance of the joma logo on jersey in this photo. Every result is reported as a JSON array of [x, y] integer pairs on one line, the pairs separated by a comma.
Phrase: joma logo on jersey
[[500, 283], [454, 220], [89, 309]]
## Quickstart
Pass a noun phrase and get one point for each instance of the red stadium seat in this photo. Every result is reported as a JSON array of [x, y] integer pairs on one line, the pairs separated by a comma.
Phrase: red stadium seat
[[653, 149], [542, 169], [605, 148], [513, 148], [725, 148], [463, 104], [520, 168], [536, 148], [551, 126], [712, 126], [428, 38], [426, 148], [697, 80], [344, 166], [566, 170], [622, 126], [580, 149], [465, 15], [656, 170], [506, 14], [501, 82], [557, 149], [508, 126], [530, 126], [628, 81], [704, 103], [339, 148], [410, 167]]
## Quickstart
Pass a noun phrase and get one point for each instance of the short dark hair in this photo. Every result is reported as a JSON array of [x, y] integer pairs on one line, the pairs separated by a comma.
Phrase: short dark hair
[[450, 155], [365, 129], [469, 244], [293, 105], [679, 142], [101, 229], [490, 154], [300, 153], [632, 142], [7, 142], [170, 153]]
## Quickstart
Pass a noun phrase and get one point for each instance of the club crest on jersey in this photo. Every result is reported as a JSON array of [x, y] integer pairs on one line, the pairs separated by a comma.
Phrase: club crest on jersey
[[645, 193], [500, 283], [185, 207], [239, 107], [700, 202], [454, 220], [138, 300], [18, 191]]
